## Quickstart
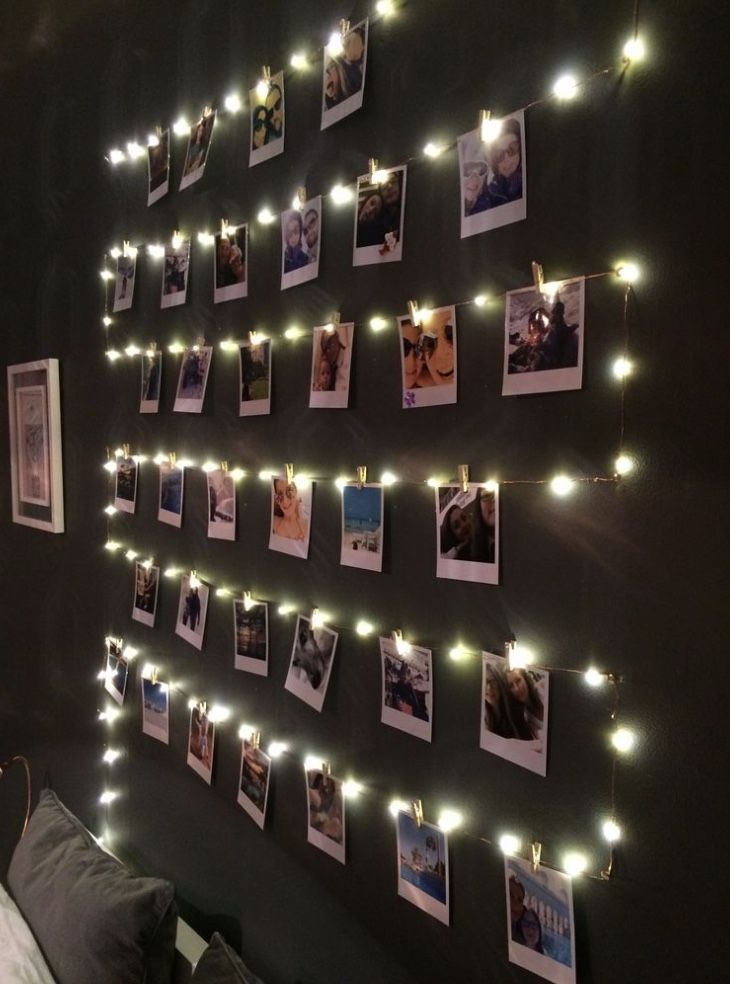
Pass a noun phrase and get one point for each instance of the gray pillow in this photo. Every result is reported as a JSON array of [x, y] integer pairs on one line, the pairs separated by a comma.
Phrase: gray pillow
[[92, 918], [222, 965]]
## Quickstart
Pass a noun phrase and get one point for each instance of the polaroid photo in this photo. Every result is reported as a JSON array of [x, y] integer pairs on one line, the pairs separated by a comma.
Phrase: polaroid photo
[[423, 866], [201, 741], [158, 168], [253, 782], [149, 401], [267, 119], [514, 721], [221, 505], [33, 448], [291, 517], [543, 338], [493, 177], [467, 533], [301, 231], [326, 813], [125, 490], [379, 214], [540, 934], [146, 587], [428, 359], [172, 486], [175, 269], [201, 134], [343, 76], [312, 656], [124, 283], [251, 636], [156, 710], [407, 696], [192, 610], [116, 670], [331, 362], [362, 526], [254, 376], [193, 379], [230, 260]]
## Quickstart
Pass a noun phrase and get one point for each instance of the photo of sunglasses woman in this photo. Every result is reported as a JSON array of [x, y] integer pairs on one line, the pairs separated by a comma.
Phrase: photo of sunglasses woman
[[467, 533], [343, 75], [267, 120], [493, 177], [428, 358]]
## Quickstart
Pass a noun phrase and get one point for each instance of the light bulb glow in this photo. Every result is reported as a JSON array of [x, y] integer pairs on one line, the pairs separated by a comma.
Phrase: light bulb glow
[[110, 466], [110, 510], [106, 274], [228, 345], [237, 474], [388, 478], [132, 350], [341, 194], [277, 748], [153, 140], [397, 806], [265, 216], [377, 323], [341, 482], [491, 129], [628, 272], [491, 485], [106, 320], [611, 831], [363, 628], [594, 677], [193, 703], [110, 714], [623, 740], [574, 864], [107, 797], [433, 483], [233, 103], [480, 300], [298, 60], [351, 788], [131, 554], [171, 572], [634, 49], [175, 348], [313, 762], [156, 250], [111, 755], [509, 844], [266, 474], [222, 593], [115, 253], [334, 45], [262, 89], [520, 657], [379, 177], [432, 149], [112, 546], [403, 647], [101, 675], [285, 609], [112, 355], [209, 466], [130, 652], [622, 368], [293, 332], [562, 485], [176, 240], [624, 464], [245, 731], [180, 127], [457, 653], [116, 156], [206, 238], [384, 7], [218, 713], [449, 820], [135, 150], [566, 87], [317, 620]]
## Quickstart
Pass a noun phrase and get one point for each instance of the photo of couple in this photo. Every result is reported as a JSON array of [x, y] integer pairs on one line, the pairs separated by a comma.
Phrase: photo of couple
[[428, 358], [267, 119], [379, 215], [198, 147], [331, 361], [300, 243], [493, 176], [514, 722], [230, 274], [467, 533], [540, 919]]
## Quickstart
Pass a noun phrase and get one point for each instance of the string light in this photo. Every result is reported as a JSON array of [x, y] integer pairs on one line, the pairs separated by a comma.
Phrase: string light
[[481, 300], [106, 274], [298, 60], [262, 89], [112, 546], [397, 806], [106, 320], [634, 49], [388, 478], [385, 7], [176, 240], [132, 350], [246, 731], [491, 485], [363, 628], [115, 253], [228, 345], [156, 251], [110, 714], [624, 464], [566, 87], [312, 762], [131, 554], [116, 156], [519, 657], [276, 749], [108, 796], [285, 609], [623, 740], [457, 653], [509, 844], [341, 482], [111, 755], [265, 216], [222, 593], [433, 483], [135, 150], [171, 572], [629, 272], [594, 677], [351, 788], [266, 474], [176, 348], [206, 238], [153, 140], [377, 323], [562, 485], [233, 103], [218, 713], [237, 474], [110, 510], [334, 45], [491, 129], [574, 864], [341, 194], [622, 367], [110, 466], [130, 652], [181, 127], [433, 150], [611, 831], [209, 466], [293, 332]]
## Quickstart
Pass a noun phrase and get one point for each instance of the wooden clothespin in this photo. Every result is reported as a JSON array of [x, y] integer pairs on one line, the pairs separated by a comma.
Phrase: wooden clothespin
[[125, 450], [372, 168], [537, 277], [207, 110], [172, 458], [326, 769], [203, 706], [362, 475], [334, 323], [194, 582], [266, 74], [224, 227], [463, 471], [315, 619], [536, 851], [344, 28], [417, 808], [125, 248], [153, 675], [255, 739], [302, 196], [289, 474], [224, 466], [414, 314], [247, 601], [402, 647], [176, 239]]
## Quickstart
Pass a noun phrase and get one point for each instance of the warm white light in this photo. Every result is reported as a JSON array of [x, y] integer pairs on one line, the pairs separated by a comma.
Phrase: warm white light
[[153, 140], [106, 274], [233, 103], [112, 546], [384, 7], [351, 788], [110, 466], [237, 474], [298, 60], [110, 510], [492, 485], [480, 300], [424, 315], [334, 45], [266, 474], [101, 675], [623, 464], [341, 482], [634, 49], [171, 572], [403, 647], [106, 320], [565, 87], [285, 609], [130, 652], [293, 332], [377, 323], [594, 677], [623, 740], [192, 703], [135, 150], [160, 458], [341, 194], [491, 129], [317, 619], [628, 272], [176, 240], [457, 653], [176, 348], [222, 593], [266, 216], [257, 337], [313, 762], [206, 238], [112, 355], [551, 289], [111, 755], [115, 253], [245, 731], [131, 350], [209, 466], [302, 480], [450, 820], [218, 713], [131, 554], [562, 485], [118, 452], [433, 483], [107, 797], [433, 150], [363, 628], [379, 176], [388, 478], [116, 156], [194, 581], [156, 250], [228, 345], [397, 806], [109, 715], [519, 657], [611, 831], [277, 748], [509, 844], [574, 864], [262, 89], [180, 127]]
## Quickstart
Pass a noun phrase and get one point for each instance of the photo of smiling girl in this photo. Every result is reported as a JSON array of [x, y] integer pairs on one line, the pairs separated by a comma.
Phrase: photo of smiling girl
[[493, 177], [300, 239], [428, 358]]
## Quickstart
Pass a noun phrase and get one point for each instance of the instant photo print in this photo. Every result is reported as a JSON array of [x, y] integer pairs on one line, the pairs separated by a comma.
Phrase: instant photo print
[[423, 866], [146, 587], [362, 526], [291, 512], [172, 487], [428, 358], [151, 363], [493, 176], [116, 671], [331, 362], [379, 215], [253, 782], [467, 533], [201, 741], [125, 494], [192, 610], [193, 379], [343, 75], [156, 710], [312, 656], [230, 264], [514, 713], [196, 158], [254, 374], [301, 235], [221, 505], [407, 695], [158, 168], [124, 282], [326, 813], [175, 269], [266, 100], [251, 636]]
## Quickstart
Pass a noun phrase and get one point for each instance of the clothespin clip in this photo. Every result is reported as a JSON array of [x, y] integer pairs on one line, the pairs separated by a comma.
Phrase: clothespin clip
[[194, 582], [537, 277], [255, 739], [326, 769], [203, 706], [125, 450], [417, 808], [536, 850], [289, 474], [125, 248], [301, 196], [362, 475], [266, 74], [224, 227], [176, 239], [414, 313], [247, 601], [151, 349], [224, 466], [148, 563], [402, 647], [172, 458], [344, 28], [315, 619], [206, 112], [153, 675], [485, 116], [199, 343], [464, 477], [334, 323], [372, 169], [509, 648]]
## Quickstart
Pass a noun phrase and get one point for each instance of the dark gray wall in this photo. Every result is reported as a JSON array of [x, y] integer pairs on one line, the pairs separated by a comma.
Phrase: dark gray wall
[[630, 577]]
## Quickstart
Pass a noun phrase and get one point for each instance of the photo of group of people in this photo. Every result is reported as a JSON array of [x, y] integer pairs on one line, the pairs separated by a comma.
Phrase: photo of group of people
[[291, 510], [312, 656], [326, 813], [193, 379], [514, 718], [156, 709], [201, 134], [251, 635], [253, 783], [540, 933], [300, 243], [428, 358], [146, 584], [151, 362], [125, 492], [379, 212], [407, 698], [267, 119], [543, 338], [175, 268], [230, 264], [467, 533], [158, 167], [172, 486], [493, 177], [116, 669], [221, 505], [254, 365], [192, 610], [124, 282], [343, 78], [201, 741], [331, 362], [423, 866], [362, 526]]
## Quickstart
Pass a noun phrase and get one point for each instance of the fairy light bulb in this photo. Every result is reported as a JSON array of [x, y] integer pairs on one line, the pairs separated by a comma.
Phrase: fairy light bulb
[[634, 49], [112, 355], [285, 609], [219, 713], [341, 195], [222, 593], [106, 274], [237, 474], [481, 300], [388, 478], [561, 485], [377, 323], [364, 628], [623, 464], [134, 150], [180, 127], [110, 510], [206, 238], [397, 806], [298, 60], [566, 87], [623, 740], [509, 844], [153, 140], [594, 677], [176, 240], [433, 483], [277, 748], [519, 657], [491, 485], [313, 762], [115, 253], [112, 546], [611, 831], [156, 251], [111, 755], [403, 647], [233, 103], [265, 216], [433, 150], [385, 8], [457, 653], [351, 788], [262, 89], [450, 819], [176, 348], [131, 554], [628, 272], [574, 864], [209, 466], [334, 45], [228, 345], [622, 367], [245, 731], [131, 350], [108, 796], [106, 320], [293, 332], [490, 130], [116, 156]]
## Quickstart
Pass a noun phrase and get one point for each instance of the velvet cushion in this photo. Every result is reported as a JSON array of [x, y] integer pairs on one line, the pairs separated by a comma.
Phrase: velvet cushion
[[94, 921], [220, 964]]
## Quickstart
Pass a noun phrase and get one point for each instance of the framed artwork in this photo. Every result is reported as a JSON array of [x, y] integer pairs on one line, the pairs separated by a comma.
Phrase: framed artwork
[[36, 470]]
